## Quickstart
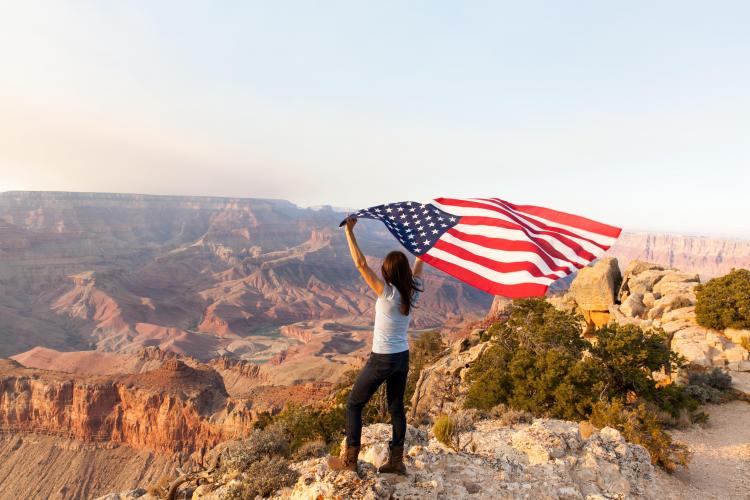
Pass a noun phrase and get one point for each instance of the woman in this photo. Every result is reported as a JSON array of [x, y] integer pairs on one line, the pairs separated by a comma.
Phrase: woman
[[397, 294]]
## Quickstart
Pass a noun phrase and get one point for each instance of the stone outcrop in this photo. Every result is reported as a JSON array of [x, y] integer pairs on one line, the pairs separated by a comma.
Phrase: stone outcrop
[[546, 459], [594, 291], [655, 296]]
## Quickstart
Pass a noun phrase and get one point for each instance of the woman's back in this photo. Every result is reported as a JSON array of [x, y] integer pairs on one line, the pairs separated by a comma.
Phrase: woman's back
[[391, 325]]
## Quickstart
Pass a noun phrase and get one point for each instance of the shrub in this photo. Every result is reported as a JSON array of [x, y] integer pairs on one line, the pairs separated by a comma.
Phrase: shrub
[[446, 432], [704, 394], [160, 488], [300, 424], [626, 356], [509, 416], [639, 425], [724, 302], [261, 443], [262, 420], [311, 449], [716, 378], [535, 364], [263, 478], [539, 363]]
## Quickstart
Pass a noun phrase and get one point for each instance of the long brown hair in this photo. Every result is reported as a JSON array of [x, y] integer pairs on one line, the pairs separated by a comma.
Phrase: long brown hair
[[397, 272]]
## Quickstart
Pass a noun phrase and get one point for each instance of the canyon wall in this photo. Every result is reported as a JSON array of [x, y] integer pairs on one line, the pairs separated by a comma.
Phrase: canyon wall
[[174, 410], [706, 256]]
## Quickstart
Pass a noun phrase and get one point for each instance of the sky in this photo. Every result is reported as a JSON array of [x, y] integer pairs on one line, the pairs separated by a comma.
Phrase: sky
[[633, 113]]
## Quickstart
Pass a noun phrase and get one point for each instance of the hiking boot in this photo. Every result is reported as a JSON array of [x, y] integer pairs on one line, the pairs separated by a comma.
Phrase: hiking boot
[[395, 463], [347, 460]]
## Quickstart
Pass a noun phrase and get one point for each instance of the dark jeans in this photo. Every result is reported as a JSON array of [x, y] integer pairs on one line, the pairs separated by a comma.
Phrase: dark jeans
[[391, 369]]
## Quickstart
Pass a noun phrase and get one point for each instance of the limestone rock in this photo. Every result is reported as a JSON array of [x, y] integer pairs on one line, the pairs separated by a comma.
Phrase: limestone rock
[[736, 336], [633, 306], [594, 287], [545, 440], [679, 314], [693, 344], [439, 388], [547, 459], [643, 282]]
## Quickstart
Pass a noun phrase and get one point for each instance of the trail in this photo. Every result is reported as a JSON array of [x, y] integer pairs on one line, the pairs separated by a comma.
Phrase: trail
[[720, 467]]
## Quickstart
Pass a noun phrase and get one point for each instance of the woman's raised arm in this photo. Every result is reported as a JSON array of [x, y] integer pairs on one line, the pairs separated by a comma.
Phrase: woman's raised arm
[[360, 261], [418, 265]]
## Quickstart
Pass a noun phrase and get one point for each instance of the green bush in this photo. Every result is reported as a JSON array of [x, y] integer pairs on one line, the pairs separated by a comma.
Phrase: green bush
[[724, 302], [639, 425], [301, 424], [535, 363], [539, 363]]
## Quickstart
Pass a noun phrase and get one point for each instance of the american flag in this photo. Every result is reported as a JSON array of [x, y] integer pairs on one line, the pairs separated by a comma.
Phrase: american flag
[[494, 245]]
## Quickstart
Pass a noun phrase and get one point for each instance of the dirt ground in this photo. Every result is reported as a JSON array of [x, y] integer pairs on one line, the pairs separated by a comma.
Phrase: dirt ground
[[720, 467]]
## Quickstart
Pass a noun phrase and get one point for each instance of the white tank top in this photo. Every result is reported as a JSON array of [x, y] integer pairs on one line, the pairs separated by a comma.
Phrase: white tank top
[[389, 335]]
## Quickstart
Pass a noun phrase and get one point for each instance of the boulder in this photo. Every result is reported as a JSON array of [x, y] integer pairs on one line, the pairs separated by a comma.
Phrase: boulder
[[735, 354], [500, 306], [679, 314], [643, 282], [692, 344], [649, 299], [594, 287], [740, 366], [565, 303], [633, 306], [547, 440], [675, 287], [635, 268], [670, 302]]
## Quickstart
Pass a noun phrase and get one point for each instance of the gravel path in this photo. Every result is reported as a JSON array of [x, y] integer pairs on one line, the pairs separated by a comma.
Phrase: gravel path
[[720, 468]]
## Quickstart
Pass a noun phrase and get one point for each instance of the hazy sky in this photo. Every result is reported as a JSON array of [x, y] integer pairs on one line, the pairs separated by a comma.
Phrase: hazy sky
[[634, 113]]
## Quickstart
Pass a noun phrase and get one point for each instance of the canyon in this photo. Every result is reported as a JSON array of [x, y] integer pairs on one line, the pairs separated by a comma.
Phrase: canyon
[[157, 327]]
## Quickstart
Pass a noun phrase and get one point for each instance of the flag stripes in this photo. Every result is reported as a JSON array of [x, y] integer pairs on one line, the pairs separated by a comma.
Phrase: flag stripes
[[494, 245]]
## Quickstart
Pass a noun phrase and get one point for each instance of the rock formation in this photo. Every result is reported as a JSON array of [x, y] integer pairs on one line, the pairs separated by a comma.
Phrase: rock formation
[[655, 296], [544, 459], [176, 409], [594, 291]]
